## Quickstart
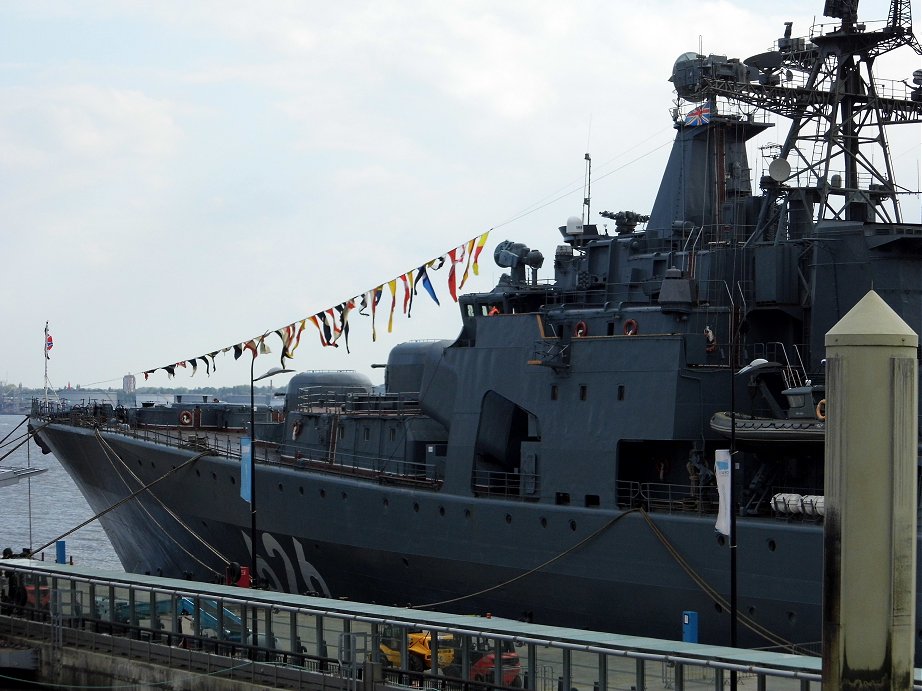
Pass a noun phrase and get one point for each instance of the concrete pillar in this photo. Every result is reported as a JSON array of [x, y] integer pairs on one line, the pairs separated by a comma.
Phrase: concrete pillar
[[870, 527]]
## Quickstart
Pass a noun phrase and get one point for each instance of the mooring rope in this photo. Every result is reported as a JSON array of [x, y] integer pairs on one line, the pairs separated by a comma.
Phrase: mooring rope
[[107, 449], [25, 437], [749, 623], [117, 504], [550, 561], [711, 592]]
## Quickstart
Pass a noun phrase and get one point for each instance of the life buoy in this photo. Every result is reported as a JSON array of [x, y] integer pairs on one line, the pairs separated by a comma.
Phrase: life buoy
[[277, 416], [630, 327], [493, 311], [185, 418], [821, 410], [295, 430], [580, 329]]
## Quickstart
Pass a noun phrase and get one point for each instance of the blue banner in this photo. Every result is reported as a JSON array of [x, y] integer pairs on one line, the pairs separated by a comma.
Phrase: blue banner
[[246, 465]]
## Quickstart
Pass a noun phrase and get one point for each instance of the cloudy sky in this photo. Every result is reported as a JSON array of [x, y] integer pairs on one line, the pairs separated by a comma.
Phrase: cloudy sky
[[177, 177]]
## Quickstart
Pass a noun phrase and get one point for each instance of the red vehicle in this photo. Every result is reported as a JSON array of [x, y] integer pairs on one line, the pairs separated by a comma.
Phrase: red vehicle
[[483, 662]]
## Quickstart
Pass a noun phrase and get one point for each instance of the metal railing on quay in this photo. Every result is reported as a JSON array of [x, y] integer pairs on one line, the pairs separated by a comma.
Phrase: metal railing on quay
[[207, 629]]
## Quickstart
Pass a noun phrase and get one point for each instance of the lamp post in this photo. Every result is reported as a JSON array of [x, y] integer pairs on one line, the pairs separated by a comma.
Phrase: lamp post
[[252, 467]]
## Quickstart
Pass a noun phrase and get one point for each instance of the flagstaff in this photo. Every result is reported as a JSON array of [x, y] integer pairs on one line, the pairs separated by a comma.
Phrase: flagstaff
[[48, 345]]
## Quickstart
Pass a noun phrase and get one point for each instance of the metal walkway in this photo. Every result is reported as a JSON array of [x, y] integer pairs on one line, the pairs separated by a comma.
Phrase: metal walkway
[[206, 629]]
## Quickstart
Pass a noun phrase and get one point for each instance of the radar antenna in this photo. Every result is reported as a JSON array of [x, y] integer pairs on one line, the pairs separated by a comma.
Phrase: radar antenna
[[839, 113]]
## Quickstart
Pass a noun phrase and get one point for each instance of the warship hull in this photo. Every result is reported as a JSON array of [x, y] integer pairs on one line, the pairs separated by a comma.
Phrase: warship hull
[[578, 567]]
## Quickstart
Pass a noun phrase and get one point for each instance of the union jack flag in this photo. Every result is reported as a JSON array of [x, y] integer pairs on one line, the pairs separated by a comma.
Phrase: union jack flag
[[699, 116]]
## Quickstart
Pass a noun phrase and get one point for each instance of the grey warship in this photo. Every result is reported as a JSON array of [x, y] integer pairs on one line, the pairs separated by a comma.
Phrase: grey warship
[[555, 461]]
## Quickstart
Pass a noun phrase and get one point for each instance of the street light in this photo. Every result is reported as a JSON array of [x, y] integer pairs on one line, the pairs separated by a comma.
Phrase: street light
[[252, 464]]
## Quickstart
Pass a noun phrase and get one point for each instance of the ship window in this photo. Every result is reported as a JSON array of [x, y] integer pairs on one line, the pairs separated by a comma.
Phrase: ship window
[[583, 391], [553, 392], [796, 401], [620, 392], [366, 433], [592, 500], [562, 498], [470, 310]]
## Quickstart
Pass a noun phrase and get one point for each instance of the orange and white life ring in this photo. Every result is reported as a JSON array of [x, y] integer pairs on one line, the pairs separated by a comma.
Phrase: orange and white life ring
[[821, 410], [277, 416], [493, 311], [580, 330], [630, 327], [186, 418], [295, 430]]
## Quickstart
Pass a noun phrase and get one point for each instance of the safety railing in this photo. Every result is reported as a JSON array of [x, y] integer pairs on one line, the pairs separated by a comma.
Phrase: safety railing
[[280, 639]]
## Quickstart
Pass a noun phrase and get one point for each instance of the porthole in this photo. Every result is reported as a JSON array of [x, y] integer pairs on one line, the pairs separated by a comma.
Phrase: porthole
[[467, 513], [572, 525], [386, 502], [543, 522], [323, 493], [508, 518], [441, 511], [233, 480], [416, 506], [771, 545], [300, 490], [345, 496]]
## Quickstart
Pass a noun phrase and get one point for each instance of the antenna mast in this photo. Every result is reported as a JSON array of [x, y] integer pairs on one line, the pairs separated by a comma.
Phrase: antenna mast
[[587, 189]]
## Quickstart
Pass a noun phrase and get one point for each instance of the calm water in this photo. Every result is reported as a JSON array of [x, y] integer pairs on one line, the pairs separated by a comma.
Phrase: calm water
[[56, 506]]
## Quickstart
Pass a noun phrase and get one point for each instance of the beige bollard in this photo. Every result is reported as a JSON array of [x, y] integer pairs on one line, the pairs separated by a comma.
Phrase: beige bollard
[[870, 527]]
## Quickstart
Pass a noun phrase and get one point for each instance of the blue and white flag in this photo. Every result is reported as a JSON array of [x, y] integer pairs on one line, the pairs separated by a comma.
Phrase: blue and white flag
[[722, 471]]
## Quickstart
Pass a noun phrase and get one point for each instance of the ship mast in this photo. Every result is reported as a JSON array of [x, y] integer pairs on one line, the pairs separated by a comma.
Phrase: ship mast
[[839, 113]]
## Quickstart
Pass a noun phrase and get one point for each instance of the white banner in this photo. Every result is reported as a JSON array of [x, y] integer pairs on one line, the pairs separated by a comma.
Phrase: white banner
[[722, 471]]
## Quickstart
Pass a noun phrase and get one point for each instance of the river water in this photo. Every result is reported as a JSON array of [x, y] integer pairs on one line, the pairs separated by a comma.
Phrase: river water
[[53, 502]]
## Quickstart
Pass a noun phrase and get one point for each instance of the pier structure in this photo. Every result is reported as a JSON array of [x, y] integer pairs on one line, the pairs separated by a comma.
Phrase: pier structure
[[869, 586], [102, 627]]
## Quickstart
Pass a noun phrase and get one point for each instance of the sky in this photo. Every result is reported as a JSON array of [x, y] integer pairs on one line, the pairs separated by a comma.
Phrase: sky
[[178, 177]]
